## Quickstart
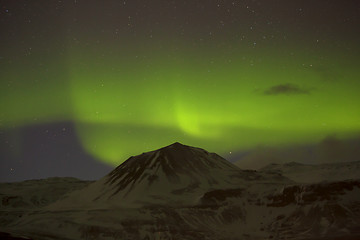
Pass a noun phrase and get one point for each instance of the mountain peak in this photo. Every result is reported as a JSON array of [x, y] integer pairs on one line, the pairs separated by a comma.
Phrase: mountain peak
[[174, 169], [179, 153], [175, 145]]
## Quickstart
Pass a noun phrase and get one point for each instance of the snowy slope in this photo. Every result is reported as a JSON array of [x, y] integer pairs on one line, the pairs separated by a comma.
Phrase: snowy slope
[[19, 198], [298, 212], [37, 193]]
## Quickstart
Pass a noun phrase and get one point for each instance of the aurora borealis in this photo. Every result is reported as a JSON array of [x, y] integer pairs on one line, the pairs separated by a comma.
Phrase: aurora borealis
[[227, 76]]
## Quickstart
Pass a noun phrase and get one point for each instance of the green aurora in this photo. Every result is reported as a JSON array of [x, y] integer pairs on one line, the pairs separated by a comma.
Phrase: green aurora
[[124, 103]]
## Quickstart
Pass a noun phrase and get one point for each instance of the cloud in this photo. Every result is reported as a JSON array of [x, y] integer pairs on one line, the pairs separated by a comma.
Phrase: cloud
[[287, 89]]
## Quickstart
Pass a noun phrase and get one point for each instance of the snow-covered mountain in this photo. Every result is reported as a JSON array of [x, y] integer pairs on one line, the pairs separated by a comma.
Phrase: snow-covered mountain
[[32, 194], [173, 175], [182, 192], [307, 173], [17, 198]]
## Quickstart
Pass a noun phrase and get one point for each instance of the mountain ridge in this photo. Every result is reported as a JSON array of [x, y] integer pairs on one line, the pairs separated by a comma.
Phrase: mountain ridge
[[174, 175], [182, 192], [314, 173]]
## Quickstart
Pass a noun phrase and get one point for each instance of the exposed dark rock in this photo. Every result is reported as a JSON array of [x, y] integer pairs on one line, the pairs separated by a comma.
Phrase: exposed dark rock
[[217, 196], [307, 194]]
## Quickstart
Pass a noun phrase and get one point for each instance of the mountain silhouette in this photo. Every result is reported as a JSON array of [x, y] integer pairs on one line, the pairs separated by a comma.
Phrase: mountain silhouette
[[173, 175]]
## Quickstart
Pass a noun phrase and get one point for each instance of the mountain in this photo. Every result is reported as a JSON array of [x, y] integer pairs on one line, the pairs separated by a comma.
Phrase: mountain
[[173, 175], [32, 194], [18, 198], [183, 192], [307, 173]]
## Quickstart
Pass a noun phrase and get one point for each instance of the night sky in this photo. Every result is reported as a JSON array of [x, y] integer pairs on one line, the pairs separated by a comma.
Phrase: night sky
[[85, 84]]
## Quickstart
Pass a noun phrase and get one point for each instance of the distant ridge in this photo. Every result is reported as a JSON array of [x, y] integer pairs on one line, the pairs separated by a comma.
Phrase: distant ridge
[[313, 173]]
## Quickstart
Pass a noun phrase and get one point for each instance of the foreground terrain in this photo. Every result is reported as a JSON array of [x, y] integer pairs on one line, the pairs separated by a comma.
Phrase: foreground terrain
[[182, 192]]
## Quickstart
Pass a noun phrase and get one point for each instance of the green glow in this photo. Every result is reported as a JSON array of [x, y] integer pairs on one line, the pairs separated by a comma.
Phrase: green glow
[[124, 104]]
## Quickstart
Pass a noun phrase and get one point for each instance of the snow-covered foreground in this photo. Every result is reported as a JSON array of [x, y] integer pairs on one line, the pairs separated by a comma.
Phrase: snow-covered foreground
[[181, 192]]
